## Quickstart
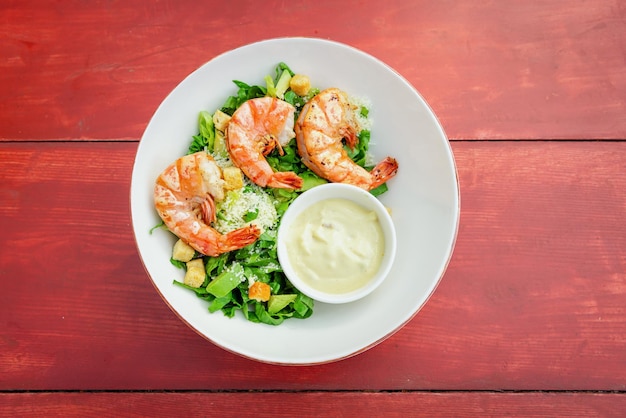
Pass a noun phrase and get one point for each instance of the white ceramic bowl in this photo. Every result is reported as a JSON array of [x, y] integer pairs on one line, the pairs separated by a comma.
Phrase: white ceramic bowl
[[423, 197], [336, 191]]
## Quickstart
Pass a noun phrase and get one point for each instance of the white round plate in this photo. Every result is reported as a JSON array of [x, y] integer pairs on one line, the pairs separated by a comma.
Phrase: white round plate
[[423, 198]]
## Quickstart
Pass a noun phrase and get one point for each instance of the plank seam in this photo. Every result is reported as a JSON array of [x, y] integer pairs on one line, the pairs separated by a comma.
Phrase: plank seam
[[254, 391], [137, 140]]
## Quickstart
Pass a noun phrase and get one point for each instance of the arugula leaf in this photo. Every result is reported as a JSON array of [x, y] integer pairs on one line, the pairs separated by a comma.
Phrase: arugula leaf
[[293, 99], [206, 137], [359, 153], [379, 190], [215, 265], [244, 93], [178, 264], [159, 225], [303, 306], [219, 303], [280, 68], [251, 216], [199, 291]]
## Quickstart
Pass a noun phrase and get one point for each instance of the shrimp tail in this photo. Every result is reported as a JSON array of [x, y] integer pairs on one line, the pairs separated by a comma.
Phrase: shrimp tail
[[285, 180], [209, 242], [383, 171], [208, 210], [239, 238], [350, 136]]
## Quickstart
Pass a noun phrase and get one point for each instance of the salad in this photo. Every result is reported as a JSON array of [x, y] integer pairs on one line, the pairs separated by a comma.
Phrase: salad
[[226, 279]]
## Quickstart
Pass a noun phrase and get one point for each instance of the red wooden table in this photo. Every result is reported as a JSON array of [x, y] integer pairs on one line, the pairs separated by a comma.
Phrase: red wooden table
[[530, 316]]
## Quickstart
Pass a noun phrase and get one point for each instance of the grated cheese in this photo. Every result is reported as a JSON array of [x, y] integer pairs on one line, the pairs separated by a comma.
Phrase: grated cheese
[[237, 203], [365, 123]]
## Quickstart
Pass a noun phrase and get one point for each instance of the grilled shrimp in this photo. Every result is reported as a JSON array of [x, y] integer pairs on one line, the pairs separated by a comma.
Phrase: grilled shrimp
[[184, 197], [324, 123], [255, 129]]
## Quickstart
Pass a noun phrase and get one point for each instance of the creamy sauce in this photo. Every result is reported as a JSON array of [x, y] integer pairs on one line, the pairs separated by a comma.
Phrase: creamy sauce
[[336, 245]]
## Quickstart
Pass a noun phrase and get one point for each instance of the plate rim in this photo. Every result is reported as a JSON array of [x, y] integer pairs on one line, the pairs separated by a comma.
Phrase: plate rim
[[452, 239]]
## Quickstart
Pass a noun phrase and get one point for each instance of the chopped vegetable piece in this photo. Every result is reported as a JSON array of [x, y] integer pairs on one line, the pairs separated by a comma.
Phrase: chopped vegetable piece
[[278, 302], [226, 281], [219, 148], [283, 84], [271, 89]]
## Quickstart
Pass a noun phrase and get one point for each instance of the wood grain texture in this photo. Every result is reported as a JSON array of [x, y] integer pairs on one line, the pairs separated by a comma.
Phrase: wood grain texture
[[316, 404], [533, 298], [490, 70]]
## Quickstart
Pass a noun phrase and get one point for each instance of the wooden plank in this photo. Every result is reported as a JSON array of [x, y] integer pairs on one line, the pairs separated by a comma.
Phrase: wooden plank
[[490, 70], [533, 298], [314, 404]]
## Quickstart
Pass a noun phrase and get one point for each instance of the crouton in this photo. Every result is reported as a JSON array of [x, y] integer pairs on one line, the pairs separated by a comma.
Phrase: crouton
[[259, 291], [233, 178], [300, 84], [220, 120], [182, 251], [195, 274]]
